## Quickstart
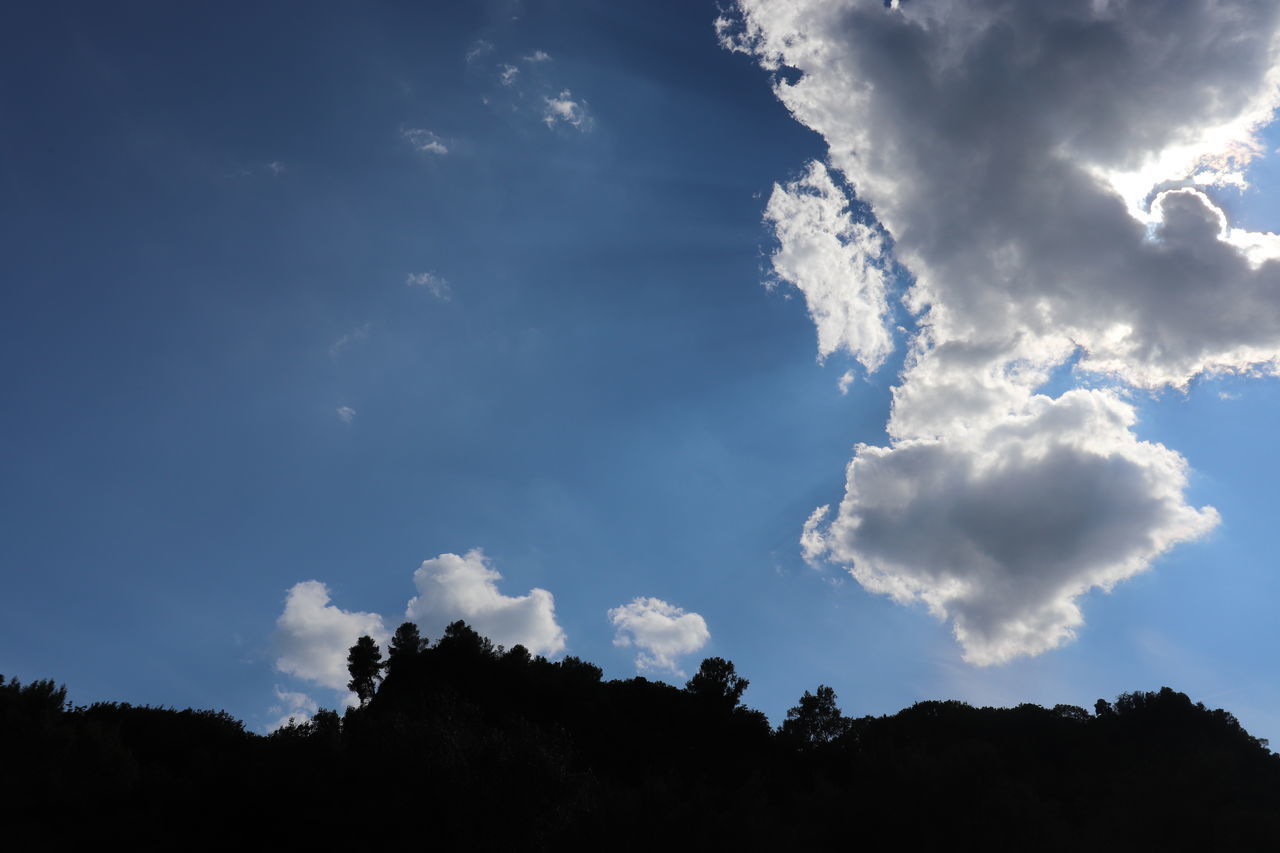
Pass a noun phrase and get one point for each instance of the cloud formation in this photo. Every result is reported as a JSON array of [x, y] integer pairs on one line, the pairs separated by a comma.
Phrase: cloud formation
[[346, 414], [1044, 172], [356, 336], [661, 631], [292, 707], [432, 283], [424, 140], [313, 636], [451, 587], [836, 262], [478, 49], [563, 109]]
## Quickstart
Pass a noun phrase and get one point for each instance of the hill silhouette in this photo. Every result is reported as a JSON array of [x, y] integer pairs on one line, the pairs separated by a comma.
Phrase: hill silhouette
[[465, 743]]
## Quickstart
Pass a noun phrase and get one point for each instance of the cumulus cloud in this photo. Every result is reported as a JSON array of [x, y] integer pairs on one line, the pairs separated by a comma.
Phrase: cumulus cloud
[[836, 262], [432, 283], [451, 587], [424, 140], [313, 636], [292, 707], [509, 75], [346, 414], [1044, 173], [538, 56], [661, 631], [1002, 529], [563, 109]]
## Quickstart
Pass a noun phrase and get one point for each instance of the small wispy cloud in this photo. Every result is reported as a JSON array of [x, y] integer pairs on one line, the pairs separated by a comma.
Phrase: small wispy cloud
[[538, 56], [424, 140], [346, 414], [563, 109], [479, 48], [432, 283], [510, 74], [273, 168], [812, 545], [845, 381], [350, 339]]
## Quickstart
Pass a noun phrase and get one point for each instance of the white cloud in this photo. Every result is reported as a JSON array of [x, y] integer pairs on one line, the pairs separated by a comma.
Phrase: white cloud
[[424, 140], [1039, 171], [478, 49], [845, 380], [836, 262], [346, 414], [451, 587], [813, 543], [291, 707], [313, 636], [661, 631], [564, 109], [1002, 529], [509, 75], [350, 339], [432, 283], [538, 56]]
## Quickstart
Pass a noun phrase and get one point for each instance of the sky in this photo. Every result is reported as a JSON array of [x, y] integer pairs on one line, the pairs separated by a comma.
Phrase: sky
[[923, 350]]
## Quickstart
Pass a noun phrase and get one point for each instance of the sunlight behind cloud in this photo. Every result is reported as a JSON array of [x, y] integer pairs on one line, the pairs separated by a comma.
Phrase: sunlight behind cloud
[[1045, 192]]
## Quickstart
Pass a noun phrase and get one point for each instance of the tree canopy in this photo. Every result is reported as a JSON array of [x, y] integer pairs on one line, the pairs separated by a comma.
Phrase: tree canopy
[[364, 663], [816, 719], [718, 683]]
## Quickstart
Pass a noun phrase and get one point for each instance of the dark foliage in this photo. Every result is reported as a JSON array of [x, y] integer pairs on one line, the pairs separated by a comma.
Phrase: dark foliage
[[816, 720], [406, 645], [364, 662], [470, 745]]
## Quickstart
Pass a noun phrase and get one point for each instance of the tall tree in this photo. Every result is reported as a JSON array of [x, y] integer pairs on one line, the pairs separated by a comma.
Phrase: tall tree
[[406, 644], [364, 662]]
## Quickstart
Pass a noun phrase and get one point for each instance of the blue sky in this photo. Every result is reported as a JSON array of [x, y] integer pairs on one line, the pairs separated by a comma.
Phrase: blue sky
[[302, 293]]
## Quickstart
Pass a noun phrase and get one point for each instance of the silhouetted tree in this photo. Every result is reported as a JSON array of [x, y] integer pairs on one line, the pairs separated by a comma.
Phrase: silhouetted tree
[[364, 662], [327, 724], [461, 641], [406, 644], [817, 719], [517, 655], [579, 670], [718, 683]]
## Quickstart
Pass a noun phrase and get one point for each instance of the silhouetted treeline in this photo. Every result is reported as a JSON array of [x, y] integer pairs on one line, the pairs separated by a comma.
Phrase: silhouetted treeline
[[468, 744]]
